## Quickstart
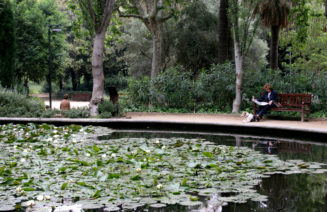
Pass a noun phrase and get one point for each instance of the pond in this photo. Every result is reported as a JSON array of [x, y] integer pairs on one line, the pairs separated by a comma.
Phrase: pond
[[48, 168]]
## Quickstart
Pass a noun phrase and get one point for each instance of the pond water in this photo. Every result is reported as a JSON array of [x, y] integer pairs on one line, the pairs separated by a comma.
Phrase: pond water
[[294, 192], [70, 168]]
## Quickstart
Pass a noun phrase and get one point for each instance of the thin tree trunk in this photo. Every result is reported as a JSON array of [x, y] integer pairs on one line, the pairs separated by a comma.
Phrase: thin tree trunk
[[239, 77], [73, 75], [224, 34], [97, 72], [274, 47], [325, 3], [157, 55]]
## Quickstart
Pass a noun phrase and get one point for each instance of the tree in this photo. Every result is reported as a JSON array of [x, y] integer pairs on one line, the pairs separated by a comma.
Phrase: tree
[[274, 15], [196, 37], [243, 30], [7, 44], [153, 13], [225, 45], [97, 15]]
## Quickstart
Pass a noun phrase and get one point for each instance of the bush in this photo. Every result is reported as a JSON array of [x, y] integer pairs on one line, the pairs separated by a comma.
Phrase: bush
[[16, 105], [107, 109], [139, 91], [76, 113], [215, 88], [173, 89]]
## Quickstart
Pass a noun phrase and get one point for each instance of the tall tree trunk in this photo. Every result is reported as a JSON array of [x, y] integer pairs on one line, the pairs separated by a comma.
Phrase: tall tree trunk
[[97, 72], [158, 47], [73, 75], [274, 47], [325, 3], [239, 77], [224, 34]]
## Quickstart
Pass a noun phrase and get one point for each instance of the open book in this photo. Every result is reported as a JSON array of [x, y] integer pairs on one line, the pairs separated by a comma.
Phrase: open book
[[259, 103]]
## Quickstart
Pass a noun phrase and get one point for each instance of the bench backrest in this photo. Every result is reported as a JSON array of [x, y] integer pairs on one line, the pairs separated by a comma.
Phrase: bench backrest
[[287, 99], [81, 97]]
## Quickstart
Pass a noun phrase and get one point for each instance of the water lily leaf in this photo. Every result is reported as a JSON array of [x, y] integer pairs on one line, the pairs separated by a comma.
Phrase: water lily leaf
[[208, 154], [63, 186], [136, 177], [97, 194]]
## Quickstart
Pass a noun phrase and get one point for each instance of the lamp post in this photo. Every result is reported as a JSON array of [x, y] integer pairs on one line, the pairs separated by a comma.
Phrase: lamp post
[[50, 29]]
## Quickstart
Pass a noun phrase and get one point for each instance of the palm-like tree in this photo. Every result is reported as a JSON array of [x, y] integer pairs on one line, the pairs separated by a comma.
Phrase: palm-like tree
[[225, 45], [274, 15]]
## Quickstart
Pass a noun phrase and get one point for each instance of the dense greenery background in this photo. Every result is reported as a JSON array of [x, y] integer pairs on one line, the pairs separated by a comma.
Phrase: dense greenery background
[[191, 81]]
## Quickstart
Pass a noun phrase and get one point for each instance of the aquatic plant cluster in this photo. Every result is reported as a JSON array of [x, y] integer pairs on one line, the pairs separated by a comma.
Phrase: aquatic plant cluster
[[49, 166]]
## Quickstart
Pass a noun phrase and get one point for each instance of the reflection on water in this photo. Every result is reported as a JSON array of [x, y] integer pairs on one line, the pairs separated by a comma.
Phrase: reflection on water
[[301, 192]]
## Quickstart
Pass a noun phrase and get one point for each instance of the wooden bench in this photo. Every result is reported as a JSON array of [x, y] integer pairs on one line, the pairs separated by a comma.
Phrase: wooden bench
[[293, 102], [81, 97]]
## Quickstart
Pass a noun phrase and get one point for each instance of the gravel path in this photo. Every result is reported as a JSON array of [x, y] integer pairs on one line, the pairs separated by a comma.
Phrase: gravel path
[[319, 125]]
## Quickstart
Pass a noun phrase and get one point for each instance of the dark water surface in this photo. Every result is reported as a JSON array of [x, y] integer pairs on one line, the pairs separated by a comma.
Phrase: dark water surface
[[295, 192]]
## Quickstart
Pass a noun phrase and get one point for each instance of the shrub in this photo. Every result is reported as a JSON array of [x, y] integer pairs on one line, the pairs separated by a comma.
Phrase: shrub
[[215, 87], [173, 88], [139, 90], [76, 113], [107, 109], [16, 105]]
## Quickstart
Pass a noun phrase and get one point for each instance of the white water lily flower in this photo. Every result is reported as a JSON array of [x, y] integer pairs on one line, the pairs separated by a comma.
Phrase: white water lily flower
[[74, 141], [30, 203], [22, 160], [55, 141], [19, 189], [70, 181], [55, 131], [144, 160], [138, 170], [113, 155], [87, 155], [103, 155], [25, 151], [164, 173], [133, 153], [157, 142], [47, 197], [15, 147], [163, 147], [56, 136], [40, 197], [159, 186], [147, 151], [81, 130], [73, 135]]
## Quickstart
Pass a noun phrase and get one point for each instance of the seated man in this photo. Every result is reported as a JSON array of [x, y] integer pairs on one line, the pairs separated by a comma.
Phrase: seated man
[[65, 104], [270, 96]]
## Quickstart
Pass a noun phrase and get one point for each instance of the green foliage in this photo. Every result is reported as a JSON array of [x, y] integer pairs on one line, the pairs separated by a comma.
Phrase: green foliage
[[7, 44], [173, 88], [17, 105], [176, 91], [196, 37], [107, 109], [76, 113], [139, 90], [215, 87]]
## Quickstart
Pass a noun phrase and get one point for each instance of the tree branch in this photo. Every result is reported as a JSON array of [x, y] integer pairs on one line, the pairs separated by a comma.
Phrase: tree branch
[[109, 7], [92, 13], [130, 16], [139, 7]]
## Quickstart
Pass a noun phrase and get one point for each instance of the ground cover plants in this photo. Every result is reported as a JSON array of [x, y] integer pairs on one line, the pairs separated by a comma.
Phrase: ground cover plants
[[45, 166]]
